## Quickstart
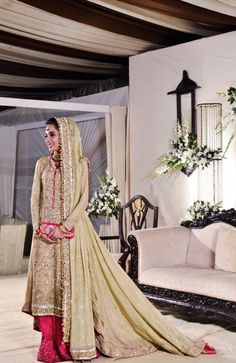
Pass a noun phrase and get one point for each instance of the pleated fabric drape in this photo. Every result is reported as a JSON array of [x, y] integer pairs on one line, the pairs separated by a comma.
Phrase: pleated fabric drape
[[31, 146], [116, 136], [7, 169]]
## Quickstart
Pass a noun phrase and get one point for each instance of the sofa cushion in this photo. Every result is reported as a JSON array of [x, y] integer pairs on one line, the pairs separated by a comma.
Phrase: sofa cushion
[[226, 251], [162, 246], [202, 245], [210, 282]]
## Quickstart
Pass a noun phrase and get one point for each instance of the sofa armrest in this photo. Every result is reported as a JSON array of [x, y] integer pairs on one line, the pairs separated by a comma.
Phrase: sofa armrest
[[158, 247]]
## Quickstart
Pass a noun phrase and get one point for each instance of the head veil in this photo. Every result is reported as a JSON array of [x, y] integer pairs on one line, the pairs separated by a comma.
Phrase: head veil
[[71, 155], [78, 325]]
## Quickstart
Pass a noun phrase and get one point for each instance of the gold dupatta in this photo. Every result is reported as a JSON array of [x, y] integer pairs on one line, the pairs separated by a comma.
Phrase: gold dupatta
[[100, 296], [78, 326]]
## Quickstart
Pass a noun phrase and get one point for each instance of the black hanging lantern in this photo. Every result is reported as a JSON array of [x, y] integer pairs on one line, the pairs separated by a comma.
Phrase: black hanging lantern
[[184, 87]]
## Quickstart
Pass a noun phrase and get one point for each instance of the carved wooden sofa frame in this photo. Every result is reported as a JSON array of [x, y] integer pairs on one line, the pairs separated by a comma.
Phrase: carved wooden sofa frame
[[185, 302]]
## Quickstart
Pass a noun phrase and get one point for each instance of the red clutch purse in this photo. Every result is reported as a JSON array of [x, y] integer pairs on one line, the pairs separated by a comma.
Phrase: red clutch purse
[[45, 228]]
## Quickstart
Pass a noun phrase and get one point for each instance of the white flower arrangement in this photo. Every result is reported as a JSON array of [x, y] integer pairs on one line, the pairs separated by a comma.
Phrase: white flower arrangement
[[200, 209], [106, 201], [185, 155]]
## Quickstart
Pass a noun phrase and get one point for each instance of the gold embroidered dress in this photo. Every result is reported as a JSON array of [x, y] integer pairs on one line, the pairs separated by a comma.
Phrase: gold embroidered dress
[[50, 261], [79, 280]]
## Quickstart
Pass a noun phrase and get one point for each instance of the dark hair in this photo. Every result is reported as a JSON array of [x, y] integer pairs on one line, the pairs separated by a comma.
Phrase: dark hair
[[52, 121]]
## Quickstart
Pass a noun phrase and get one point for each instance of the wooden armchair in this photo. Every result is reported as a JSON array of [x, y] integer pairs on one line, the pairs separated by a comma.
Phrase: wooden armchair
[[136, 214]]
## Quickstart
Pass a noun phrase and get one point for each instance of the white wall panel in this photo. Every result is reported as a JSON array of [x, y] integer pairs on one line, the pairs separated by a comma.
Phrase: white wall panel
[[211, 63]]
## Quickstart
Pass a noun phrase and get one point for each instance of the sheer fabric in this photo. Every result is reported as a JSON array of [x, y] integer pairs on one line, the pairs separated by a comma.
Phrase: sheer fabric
[[31, 146], [7, 170], [116, 131], [29, 116]]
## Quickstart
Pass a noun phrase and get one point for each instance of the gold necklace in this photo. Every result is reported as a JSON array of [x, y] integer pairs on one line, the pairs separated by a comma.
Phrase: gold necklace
[[56, 160]]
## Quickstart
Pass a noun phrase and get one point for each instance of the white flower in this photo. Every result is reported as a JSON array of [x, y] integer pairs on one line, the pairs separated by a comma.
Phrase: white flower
[[200, 209], [185, 154], [105, 202]]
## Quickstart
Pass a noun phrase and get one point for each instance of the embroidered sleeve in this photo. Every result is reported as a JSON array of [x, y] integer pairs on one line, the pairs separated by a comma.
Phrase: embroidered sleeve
[[35, 195], [82, 205]]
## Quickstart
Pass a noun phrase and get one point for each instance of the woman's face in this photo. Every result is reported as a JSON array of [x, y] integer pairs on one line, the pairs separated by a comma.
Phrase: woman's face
[[52, 138]]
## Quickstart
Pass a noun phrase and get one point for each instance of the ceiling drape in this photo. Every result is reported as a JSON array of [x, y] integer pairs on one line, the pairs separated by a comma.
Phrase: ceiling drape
[[46, 49]]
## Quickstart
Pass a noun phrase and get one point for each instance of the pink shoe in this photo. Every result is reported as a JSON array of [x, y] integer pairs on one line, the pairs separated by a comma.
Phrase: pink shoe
[[47, 353], [97, 353], [208, 349]]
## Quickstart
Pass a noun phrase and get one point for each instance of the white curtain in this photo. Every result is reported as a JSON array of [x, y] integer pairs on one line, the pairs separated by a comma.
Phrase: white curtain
[[7, 169], [30, 123], [116, 145], [26, 116], [116, 133], [127, 160], [31, 147]]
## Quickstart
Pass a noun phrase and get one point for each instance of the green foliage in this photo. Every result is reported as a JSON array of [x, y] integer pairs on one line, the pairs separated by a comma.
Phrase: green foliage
[[231, 93], [230, 115]]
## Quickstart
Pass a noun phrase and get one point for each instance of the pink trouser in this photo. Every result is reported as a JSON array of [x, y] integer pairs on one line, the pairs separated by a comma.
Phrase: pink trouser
[[52, 348]]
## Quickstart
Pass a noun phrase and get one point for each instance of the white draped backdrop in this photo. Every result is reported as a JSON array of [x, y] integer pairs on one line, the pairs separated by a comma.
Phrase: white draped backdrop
[[7, 169], [28, 125], [116, 133]]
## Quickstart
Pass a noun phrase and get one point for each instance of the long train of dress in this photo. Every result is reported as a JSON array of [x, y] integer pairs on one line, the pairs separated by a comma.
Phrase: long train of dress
[[126, 322]]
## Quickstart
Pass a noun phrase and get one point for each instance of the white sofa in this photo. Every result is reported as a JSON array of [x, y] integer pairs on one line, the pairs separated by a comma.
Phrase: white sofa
[[193, 269]]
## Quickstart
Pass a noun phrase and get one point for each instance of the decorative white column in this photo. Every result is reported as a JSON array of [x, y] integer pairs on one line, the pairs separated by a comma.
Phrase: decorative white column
[[209, 132]]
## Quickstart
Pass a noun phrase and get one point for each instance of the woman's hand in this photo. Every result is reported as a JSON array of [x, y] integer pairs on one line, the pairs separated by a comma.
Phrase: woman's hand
[[44, 237], [48, 240], [49, 234], [56, 234], [53, 233]]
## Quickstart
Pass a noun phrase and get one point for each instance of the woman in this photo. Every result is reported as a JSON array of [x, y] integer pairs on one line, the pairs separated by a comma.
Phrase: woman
[[80, 298]]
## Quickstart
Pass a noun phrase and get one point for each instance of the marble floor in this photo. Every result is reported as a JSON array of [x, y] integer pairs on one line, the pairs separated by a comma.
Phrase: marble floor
[[19, 342]]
